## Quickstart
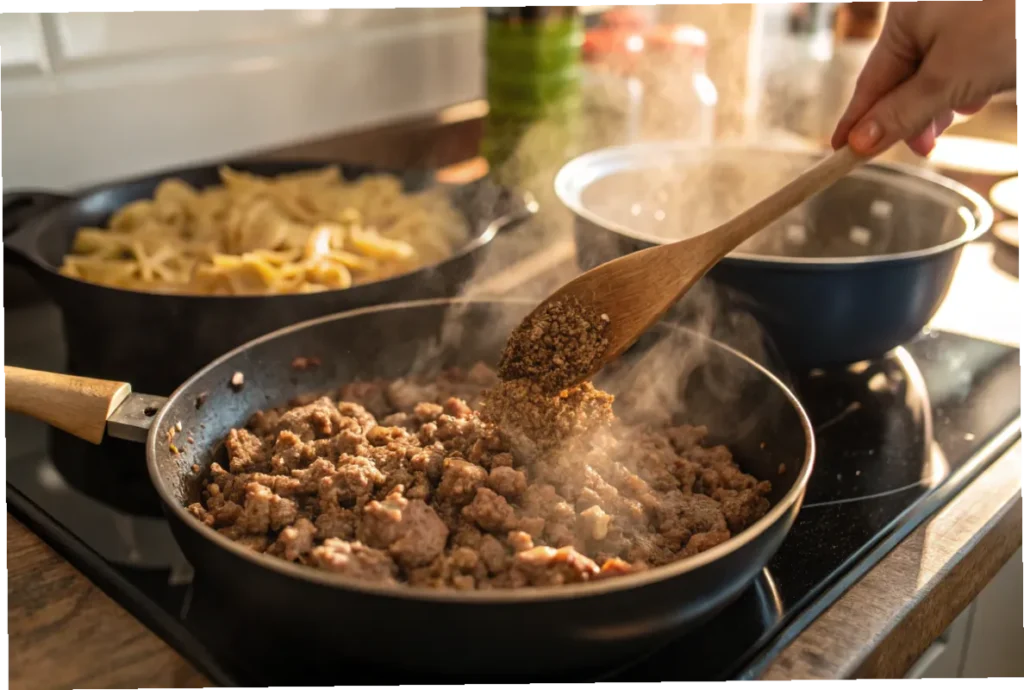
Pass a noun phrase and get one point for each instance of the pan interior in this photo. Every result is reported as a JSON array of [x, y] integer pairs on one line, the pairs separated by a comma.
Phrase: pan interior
[[480, 203], [681, 192], [671, 370]]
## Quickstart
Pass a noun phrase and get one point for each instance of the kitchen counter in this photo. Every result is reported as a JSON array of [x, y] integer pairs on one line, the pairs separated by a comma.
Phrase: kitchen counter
[[65, 632]]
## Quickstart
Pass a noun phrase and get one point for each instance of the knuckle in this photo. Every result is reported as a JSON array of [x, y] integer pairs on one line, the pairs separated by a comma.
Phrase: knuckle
[[931, 83], [895, 121]]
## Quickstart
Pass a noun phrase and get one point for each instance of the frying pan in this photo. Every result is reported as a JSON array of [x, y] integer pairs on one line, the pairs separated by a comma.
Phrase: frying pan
[[322, 619], [156, 341]]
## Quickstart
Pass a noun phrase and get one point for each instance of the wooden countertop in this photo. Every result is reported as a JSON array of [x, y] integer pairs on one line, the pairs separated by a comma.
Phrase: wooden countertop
[[64, 632]]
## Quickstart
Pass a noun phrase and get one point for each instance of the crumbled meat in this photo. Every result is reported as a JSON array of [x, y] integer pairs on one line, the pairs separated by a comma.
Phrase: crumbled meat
[[543, 565], [354, 560], [537, 422], [490, 511], [460, 480], [295, 541], [237, 380], [244, 451], [506, 481], [465, 481], [409, 530]]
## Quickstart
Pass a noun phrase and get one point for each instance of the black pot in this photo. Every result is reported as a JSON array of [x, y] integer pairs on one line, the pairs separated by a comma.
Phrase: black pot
[[851, 274], [156, 341]]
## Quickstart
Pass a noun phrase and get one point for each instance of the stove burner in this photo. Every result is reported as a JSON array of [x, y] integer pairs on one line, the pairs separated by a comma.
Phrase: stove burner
[[881, 404], [896, 439], [113, 472]]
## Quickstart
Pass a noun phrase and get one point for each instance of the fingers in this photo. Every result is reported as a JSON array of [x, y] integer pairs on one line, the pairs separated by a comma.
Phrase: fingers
[[903, 114], [923, 143], [887, 66], [972, 108], [943, 122]]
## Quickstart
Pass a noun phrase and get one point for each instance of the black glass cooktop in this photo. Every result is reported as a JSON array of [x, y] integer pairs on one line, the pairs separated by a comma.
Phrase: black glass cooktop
[[896, 438]]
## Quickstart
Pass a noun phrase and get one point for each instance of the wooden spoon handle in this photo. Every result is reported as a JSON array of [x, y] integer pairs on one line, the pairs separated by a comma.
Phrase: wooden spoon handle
[[817, 178], [78, 405]]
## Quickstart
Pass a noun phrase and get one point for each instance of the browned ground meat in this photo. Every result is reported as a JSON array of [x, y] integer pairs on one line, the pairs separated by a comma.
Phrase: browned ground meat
[[456, 482]]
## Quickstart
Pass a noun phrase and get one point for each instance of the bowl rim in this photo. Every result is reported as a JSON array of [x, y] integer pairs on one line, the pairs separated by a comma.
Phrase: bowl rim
[[582, 171], [790, 501]]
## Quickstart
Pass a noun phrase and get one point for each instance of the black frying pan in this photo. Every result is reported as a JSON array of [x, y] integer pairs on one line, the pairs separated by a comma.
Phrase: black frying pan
[[156, 341], [308, 617]]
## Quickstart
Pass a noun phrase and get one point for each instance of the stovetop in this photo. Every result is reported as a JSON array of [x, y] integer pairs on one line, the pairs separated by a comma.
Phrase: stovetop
[[896, 439]]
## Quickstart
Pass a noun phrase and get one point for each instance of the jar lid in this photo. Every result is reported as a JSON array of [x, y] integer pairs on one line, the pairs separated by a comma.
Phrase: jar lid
[[627, 18], [676, 38], [603, 43]]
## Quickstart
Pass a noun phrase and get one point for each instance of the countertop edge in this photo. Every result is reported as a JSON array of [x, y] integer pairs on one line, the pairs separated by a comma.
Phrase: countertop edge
[[882, 625]]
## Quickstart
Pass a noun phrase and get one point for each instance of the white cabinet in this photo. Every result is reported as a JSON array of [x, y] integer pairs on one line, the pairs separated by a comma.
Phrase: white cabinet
[[21, 42], [995, 648], [987, 639], [91, 35], [92, 97], [945, 657]]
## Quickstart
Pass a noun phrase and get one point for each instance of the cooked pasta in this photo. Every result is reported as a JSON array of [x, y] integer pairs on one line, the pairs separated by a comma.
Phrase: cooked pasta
[[299, 232]]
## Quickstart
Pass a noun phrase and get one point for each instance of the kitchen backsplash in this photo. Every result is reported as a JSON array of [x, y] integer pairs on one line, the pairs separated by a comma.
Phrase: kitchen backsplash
[[88, 97]]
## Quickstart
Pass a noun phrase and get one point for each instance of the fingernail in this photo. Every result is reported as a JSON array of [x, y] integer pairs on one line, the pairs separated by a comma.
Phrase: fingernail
[[866, 135]]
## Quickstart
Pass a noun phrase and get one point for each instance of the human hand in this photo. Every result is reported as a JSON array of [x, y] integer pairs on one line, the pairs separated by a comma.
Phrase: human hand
[[932, 59]]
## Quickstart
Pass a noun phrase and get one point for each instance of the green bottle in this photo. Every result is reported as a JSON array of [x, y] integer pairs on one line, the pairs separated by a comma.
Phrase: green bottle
[[533, 87]]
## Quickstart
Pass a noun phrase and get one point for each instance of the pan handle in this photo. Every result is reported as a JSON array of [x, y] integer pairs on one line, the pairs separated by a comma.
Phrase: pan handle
[[526, 208], [20, 206], [77, 405]]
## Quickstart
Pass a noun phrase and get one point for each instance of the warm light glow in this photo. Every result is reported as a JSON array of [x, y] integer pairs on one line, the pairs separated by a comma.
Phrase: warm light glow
[[690, 35]]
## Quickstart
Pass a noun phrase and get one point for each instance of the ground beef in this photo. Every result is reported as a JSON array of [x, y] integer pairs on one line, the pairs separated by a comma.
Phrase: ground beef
[[464, 481]]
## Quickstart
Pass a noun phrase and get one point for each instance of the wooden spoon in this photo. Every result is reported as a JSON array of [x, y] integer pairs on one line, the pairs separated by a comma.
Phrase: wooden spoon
[[635, 290]]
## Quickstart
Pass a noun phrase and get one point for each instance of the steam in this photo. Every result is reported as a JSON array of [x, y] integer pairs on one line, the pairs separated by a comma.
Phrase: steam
[[671, 198]]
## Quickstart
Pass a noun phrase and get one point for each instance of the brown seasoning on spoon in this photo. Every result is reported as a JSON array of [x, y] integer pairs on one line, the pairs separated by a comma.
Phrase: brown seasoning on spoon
[[555, 346]]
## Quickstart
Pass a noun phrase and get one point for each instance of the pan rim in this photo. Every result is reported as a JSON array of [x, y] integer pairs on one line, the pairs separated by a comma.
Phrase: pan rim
[[792, 499], [35, 227], [569, 193]]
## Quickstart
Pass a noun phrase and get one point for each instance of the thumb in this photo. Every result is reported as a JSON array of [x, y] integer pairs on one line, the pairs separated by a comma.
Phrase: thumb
[[901, 114]]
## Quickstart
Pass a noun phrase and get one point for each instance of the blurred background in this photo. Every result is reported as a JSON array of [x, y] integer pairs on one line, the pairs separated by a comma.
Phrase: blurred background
[[89, 97]]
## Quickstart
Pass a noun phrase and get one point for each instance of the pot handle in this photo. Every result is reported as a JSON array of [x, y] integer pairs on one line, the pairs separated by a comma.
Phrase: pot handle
[[80, 406], [20, 206], [526, 208]]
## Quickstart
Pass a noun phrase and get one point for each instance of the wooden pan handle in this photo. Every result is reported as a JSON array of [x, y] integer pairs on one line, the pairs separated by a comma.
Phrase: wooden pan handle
[[77, 405]]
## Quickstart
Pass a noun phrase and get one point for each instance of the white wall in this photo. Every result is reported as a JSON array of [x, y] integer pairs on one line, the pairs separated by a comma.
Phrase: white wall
[[89, 97]]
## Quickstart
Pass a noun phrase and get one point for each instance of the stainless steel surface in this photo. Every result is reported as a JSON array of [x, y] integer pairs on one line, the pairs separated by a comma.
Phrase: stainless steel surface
[[665, 191], [132, 419]]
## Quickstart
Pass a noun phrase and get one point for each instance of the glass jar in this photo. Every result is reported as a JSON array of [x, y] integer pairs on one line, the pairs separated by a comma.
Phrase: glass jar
[[612, 92], [679, 98], [533, 84]]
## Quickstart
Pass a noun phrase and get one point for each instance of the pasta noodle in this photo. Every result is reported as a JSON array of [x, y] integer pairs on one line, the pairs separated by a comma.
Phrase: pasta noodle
[[299, 232]]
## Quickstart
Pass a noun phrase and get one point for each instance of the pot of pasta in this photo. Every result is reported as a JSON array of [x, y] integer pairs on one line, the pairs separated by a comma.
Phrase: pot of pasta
[[156, 276]]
